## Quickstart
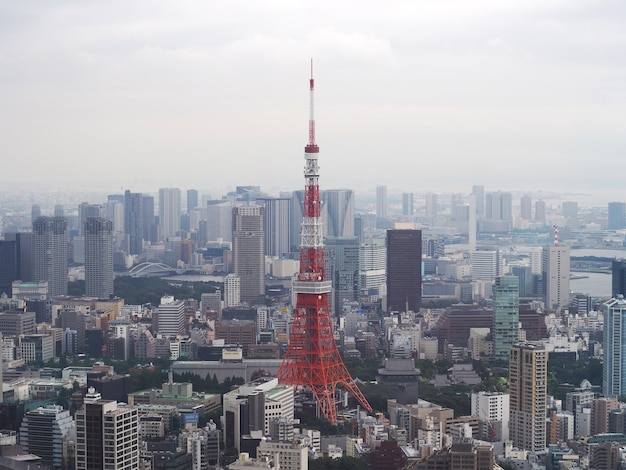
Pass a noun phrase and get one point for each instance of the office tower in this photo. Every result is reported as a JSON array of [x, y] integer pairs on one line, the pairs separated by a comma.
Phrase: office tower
[[211, 302], [50, 238], [457, 210], [404, 270], [556, 272], [98, 257], [408, 208], [540, 211], [192, 199], [169, 318], [248, 252], [232, 291], [133, 221], [107, 435], [431, 205], [149, 228], [312, 359], [276, 224], [9, 265], [37, 348], [24, 251], [525, 276], [526, 204], [505, 327], [498, 206], [88, 210], [169, 212], [43, 432], [59, 211], [342, 268], [373, 266], [617, 215], [479, 192], [35, 212], [472, 228], [494, 409], [486, 264], [219, 215], [614, 347], [528, 364], [338, 214], [618, 282], [569, 209], [114, 211], [71, 319], [381, 202]]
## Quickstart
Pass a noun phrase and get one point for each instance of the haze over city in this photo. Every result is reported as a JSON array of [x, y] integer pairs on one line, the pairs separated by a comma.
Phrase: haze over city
[[419, 96]]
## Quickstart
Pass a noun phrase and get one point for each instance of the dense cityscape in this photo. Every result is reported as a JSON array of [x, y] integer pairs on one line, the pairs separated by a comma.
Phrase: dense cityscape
[[439, 285], [431, 296]]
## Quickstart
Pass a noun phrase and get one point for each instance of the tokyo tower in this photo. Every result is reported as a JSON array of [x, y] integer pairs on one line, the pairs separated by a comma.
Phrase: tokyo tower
[[312, 359]]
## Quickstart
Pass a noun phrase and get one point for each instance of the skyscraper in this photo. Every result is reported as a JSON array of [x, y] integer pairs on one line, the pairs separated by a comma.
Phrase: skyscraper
[[248, 251], [498, 206], [479, 192], [526, 204], [169, 211], [617, 215], [569, 209], [43, 431], [276, 223], [339, 212], [408, 204], [505, 328], [431, 205], [192, 199], [540, 211], [9, 265], [556, 273], [133, 221], [149, 228], [381, 202], [528, 364], [342, 261], [98, 257], [50, 238], [404, 270], [618, 282], [107, 435], [614, 347]]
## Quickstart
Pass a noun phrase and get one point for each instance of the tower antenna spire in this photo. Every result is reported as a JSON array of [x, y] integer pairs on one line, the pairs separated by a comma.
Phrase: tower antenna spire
[[311, 145]]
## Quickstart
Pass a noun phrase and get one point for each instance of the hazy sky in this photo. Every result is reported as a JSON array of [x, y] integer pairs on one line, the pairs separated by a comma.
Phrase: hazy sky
[[419, 95]]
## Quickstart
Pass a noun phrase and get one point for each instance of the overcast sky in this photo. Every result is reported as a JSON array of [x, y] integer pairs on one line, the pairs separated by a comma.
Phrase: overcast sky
[[420, 95]]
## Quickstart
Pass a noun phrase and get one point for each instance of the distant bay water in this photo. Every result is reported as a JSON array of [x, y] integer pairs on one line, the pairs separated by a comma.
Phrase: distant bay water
[[595, 284]]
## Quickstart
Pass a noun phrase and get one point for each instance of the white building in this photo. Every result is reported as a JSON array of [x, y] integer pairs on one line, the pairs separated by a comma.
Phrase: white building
[[232, 291], [291, 456], [486, 265], [169, 318], [556, 272], [494, 408]]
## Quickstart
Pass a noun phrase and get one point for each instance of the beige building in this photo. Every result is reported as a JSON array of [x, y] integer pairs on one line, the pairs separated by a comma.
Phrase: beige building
[[528, 363]]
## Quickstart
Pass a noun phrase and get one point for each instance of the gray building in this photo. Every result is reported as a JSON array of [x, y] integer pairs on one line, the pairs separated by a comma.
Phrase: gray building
[[50, 239], [98, 257]]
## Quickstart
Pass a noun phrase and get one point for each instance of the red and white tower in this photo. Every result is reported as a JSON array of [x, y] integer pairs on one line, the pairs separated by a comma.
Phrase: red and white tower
[[312, 358]]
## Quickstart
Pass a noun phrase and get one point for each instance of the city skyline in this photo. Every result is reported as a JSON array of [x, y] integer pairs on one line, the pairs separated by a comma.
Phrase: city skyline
[[512, 96]]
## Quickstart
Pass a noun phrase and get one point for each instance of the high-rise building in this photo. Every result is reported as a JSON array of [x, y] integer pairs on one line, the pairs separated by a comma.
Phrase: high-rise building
[[133, 221], [505, 329], [618, 282], [88, 210], [43, 432], [493, 408], [338, 214], [556, 276], [569, 209], [431, 205], [149, 228], [540, 210], [9, 265], [107, 435], [479, 192], [617, 215], [24, 247], [404, 270], [232, 291], [526, 204], [276, 224], [192, 199], [528, 364], [498, 206], [373, 266], [525, 276], [408, 208], [169, 211], [342, 268], [98, 257], [381, 202], [486, 264], [114, 211], [50, 238], [614, 347], [169, 318], [248, 252]]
